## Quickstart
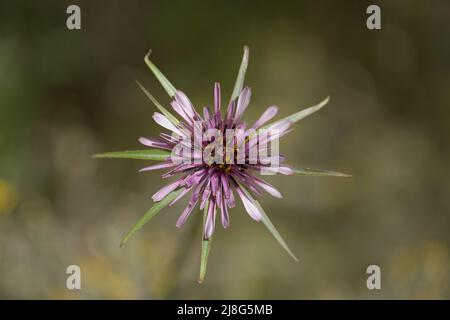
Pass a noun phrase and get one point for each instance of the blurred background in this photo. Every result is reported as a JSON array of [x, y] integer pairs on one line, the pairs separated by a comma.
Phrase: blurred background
[[65, 95]]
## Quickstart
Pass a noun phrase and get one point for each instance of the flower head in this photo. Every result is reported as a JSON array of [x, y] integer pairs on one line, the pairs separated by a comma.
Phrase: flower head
[[215, 157]]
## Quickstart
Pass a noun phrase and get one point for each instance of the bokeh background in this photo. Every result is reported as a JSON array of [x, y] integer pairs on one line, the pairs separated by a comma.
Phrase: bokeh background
[[65, 95]]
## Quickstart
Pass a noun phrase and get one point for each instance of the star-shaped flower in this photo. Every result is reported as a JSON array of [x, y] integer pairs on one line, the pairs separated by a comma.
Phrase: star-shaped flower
[[216, 157]]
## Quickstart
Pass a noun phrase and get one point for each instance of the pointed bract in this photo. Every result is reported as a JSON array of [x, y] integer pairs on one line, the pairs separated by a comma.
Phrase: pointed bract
[[241, 75], [170, 89]]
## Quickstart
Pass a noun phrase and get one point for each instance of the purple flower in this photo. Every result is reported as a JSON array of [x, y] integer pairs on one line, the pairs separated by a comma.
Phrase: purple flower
[[216, 157], [209, 183]]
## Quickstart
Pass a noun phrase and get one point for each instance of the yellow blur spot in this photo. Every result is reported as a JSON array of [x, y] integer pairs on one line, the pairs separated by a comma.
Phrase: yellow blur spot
[[8, 198], [420, 271]]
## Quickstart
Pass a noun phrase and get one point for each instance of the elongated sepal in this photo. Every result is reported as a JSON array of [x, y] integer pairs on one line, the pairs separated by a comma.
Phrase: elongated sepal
[[151, 213], [206, 246], [269, 225], [319, 173], [308, 111], [170, 89], [301, 114], [241, 75], [163, 110], [148, 154]]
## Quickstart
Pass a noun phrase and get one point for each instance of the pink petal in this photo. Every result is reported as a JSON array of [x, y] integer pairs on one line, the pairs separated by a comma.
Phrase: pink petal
[[158, 166], [283, 170], [225, 186], [251, 208], [154, 143], [164, 191], [269, 188], [210, 220], [215, 184], [181, 195], [180, 110], [206, 113], [242, 103], [165, 123], [186, 213], [266, 116], [185, 103], [224, 214]]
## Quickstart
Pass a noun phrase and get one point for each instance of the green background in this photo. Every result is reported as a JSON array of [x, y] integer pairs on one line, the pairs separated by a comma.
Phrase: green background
[[65, 95]]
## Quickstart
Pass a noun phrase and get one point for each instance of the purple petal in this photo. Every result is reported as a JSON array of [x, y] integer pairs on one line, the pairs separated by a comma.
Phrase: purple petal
[[196, 177], [282, 170], [180, 110], [231, 203], [205, 198], [165, 123], [154, 143], [199, 189], [273, 132], [206, 113], [210, 220], [164, 191], [225, 186], [185, 214], [181, 195], [185, 103], [251, 208], [281, 127], [215, 184], [242, 103], [268, 187], [230, 112], [158, 166], [224, 214], [266, 116]]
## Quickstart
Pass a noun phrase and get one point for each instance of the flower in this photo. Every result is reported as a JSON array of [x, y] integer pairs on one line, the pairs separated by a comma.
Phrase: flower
[[212, 181], [216, 157]]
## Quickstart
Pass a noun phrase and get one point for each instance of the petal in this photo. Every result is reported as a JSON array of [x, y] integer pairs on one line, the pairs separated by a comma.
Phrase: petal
[[179, 109], [215, 184], [231, 203], [266, 135], [158, 166], [181, 195], [225, 186], [165, 123], [224, 214], [266, 116], [205, 197], [280, 127], [166, 190], [196, 177], [210, 220], [230, 113], [242, 103], [186, 213], [251, 208], [206, 113], [282, 170], [268, 188], [185, 103], [154, 143]]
